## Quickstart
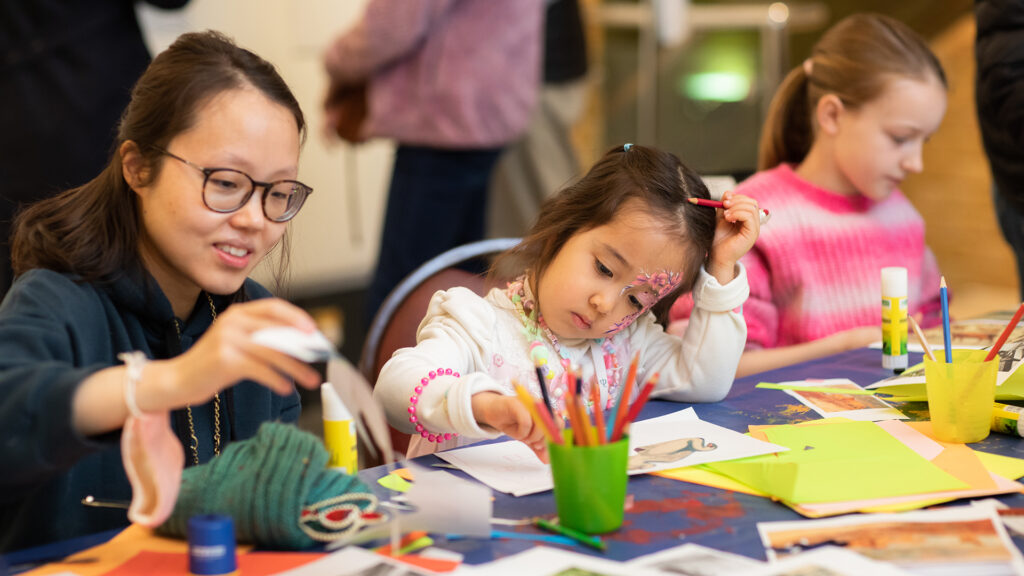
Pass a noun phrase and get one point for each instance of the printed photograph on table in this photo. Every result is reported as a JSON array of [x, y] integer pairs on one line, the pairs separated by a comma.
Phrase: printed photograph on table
[[853, 406], [828, 561], [957, 540]]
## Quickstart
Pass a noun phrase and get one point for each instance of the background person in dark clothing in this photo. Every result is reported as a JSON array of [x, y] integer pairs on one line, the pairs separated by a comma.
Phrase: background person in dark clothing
[[999, 51], [66, 71]]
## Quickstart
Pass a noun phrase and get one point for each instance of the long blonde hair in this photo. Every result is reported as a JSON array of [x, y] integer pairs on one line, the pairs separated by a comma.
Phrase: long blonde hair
[[853, 60]]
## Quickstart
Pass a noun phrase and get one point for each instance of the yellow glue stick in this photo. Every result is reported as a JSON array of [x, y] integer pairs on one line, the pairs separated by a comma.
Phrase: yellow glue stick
[[894, 319], [339, 431]]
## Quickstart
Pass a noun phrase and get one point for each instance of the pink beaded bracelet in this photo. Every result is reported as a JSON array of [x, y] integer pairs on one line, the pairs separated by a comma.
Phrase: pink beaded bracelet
[[415, 398]]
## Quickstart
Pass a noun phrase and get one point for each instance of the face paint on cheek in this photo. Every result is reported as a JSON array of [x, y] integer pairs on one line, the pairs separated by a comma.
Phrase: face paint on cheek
[[648, 289]]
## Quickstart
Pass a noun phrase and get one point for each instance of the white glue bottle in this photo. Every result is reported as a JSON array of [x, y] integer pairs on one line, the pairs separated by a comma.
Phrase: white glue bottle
[[894, 319], [339, 431]]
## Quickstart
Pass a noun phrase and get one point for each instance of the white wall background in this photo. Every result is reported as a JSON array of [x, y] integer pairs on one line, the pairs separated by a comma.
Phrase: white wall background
[[336, 236]]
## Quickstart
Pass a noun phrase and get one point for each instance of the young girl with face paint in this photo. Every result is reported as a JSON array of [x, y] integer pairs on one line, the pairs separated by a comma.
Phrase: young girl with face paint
[[606, 258], [843, 131]]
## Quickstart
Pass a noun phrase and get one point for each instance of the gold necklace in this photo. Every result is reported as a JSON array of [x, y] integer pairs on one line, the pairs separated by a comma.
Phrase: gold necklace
[[216, 403]]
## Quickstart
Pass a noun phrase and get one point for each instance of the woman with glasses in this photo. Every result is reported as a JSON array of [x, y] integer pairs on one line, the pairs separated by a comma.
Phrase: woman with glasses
[[148, 264]]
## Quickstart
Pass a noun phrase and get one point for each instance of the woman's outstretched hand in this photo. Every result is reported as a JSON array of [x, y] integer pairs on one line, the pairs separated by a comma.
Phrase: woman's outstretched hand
[[226, 354]]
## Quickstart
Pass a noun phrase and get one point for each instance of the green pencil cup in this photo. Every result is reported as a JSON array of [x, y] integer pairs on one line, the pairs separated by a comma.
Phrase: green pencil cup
[[590, 484]]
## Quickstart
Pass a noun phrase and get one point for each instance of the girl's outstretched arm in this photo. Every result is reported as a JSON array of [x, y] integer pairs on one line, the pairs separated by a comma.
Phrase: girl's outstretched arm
[[762, 359]]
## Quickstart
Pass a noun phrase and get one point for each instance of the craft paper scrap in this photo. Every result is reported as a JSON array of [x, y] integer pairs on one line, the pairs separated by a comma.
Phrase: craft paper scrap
[[853, 407], [660, 443], [955, 540], [394, 482], [1005, 466], [838, 462], [692, 558], [701, 475]]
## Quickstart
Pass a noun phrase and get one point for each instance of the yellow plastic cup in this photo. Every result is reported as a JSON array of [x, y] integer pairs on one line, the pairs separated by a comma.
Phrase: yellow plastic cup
[[590, 485], [960, 395]]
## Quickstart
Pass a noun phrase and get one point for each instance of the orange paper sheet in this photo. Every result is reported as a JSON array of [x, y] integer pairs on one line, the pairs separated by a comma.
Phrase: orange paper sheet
[[137, 550]]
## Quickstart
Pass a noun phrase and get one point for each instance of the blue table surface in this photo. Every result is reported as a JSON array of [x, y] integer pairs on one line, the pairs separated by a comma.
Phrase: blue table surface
[[667, 512]]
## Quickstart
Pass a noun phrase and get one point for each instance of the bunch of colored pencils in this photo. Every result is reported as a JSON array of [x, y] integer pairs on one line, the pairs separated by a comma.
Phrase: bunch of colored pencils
[[586, 431]]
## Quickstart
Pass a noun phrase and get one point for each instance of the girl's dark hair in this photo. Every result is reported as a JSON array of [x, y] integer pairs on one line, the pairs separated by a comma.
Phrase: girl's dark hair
[[657, 179], [853, 60], [93, 231]]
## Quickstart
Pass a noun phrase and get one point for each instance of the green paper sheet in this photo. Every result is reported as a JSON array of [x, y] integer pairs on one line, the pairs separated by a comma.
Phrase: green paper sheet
[[1005, 466], [837, 462], [395, 482]]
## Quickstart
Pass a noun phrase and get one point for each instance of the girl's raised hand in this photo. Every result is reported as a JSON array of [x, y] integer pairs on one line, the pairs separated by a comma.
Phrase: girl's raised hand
[[739, 223], [226, 354], [507, 414]]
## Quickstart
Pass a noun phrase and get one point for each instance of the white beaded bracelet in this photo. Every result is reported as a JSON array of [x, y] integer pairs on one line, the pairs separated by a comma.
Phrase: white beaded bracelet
[[133, 362]]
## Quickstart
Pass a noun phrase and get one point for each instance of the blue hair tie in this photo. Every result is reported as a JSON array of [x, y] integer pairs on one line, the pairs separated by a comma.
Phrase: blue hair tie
[[626, 147]]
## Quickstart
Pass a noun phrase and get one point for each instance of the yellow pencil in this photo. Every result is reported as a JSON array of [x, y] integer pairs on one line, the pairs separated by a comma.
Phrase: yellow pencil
[[527, 401]]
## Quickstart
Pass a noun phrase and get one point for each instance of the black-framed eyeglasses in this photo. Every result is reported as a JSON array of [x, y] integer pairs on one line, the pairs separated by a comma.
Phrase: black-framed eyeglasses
[[227, 190]]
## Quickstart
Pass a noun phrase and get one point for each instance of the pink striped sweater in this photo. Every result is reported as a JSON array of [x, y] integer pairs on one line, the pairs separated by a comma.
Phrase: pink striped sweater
[[816, 267]]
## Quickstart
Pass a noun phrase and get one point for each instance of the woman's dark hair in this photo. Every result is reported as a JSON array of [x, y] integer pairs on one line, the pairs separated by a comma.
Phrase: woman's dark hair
[[658, 180], [93, 231], [853, 60]]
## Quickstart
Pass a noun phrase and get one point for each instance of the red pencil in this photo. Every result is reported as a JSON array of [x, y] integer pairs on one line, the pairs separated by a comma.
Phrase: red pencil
[[765, 215], [637, 406], [548, 421], [627, 391], [1006, 333]]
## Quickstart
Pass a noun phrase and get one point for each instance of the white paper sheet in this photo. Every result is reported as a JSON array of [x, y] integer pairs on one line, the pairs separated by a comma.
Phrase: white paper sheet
[[695, 560], [656, 444]]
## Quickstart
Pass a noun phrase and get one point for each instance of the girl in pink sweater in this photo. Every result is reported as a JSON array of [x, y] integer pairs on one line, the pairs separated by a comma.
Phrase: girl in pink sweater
[[843, 131]]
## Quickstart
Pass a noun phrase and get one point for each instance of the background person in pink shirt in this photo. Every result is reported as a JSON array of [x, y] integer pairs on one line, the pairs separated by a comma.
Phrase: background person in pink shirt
[[843, 131], [453, 82]]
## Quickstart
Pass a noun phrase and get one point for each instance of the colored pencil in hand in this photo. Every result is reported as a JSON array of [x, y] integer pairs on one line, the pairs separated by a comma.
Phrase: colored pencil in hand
[[946, 336], [542, 382], [765, 215], [1005, 334], [527, 401], [548, 421]]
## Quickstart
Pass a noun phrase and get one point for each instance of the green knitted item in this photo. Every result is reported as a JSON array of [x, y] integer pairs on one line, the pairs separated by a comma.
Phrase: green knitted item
[[263, 483]]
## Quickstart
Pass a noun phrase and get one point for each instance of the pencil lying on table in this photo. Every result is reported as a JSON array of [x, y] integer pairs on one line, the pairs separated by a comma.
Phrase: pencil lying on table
[[765, 214]]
